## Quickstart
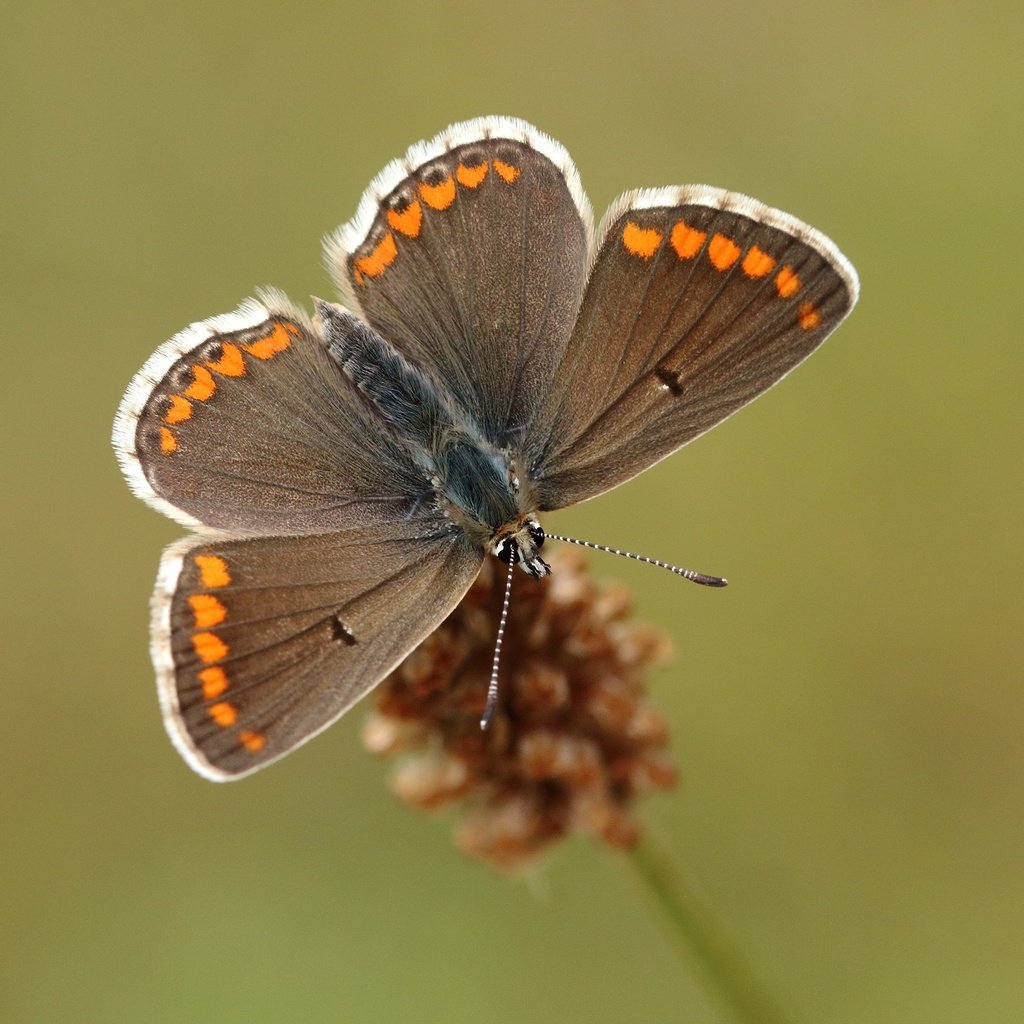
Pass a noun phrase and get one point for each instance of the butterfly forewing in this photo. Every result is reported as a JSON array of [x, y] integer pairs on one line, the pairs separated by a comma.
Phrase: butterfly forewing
[[470, 257], [244, 423], [261, 643], [692, 310]]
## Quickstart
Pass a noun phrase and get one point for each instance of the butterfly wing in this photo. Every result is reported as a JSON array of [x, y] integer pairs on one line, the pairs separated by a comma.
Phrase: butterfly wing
[[261, 643], [699, 301], [244, 423], [470, 256]]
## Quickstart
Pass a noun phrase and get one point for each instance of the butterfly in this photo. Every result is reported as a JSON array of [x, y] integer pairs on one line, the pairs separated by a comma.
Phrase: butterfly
[[493, 358]]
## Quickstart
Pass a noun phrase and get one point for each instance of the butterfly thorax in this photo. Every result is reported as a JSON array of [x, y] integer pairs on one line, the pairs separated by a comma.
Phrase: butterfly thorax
[[474, 483]]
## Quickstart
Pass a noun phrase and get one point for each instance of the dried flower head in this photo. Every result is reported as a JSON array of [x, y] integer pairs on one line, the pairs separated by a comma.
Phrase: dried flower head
[[573, 740]]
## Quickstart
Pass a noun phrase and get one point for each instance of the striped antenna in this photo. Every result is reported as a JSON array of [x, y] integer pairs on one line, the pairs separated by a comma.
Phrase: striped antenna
[[492, 687], [689, 574]]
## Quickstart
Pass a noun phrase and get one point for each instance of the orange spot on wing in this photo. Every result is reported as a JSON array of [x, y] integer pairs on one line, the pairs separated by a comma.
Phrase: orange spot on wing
[[383, 254], [471, 177], [787, 284], [292, 330], [214, 680], [209, 647], [230, 363], [808, 316], [168, 442], [723, 252], [223, 713], [203, 385], [409, 221], [254, 742], [642, 242], [440, 196], [508, 172], [181, 409], [686, 241], [213, 571], [757, 263], [207, 610], [270, 346]]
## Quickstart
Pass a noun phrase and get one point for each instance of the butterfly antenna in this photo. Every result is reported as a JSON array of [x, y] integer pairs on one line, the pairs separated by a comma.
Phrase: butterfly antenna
[[689, 574], [492, 687]]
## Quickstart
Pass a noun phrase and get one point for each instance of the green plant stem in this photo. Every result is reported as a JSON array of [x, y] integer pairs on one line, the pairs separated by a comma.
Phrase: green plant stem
[[703, 937]]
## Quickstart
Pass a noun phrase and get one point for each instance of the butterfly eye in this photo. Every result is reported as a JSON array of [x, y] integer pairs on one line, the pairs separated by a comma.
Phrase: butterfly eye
[[507, 551], [536, 533]]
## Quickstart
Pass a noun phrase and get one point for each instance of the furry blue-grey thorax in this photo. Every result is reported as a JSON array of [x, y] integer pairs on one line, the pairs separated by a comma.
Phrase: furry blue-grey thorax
[[477, 484]]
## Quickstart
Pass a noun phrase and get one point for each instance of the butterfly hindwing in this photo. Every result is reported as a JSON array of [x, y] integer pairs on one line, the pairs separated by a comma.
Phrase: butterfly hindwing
[[261, 643], [699, 301], [470, 256], [244, 423]]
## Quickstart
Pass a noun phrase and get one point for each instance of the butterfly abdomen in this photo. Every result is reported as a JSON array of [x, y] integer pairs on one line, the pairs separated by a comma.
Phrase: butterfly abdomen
[[471, 477], [400, 394]]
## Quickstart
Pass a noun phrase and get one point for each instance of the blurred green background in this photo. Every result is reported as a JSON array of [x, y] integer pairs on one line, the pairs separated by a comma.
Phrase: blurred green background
[[848, 714]]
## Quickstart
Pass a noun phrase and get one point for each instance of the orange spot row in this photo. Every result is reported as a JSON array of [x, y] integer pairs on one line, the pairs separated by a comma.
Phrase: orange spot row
[[723, 252], [408, 221], [225, 714], [230, 363], [208, 611]]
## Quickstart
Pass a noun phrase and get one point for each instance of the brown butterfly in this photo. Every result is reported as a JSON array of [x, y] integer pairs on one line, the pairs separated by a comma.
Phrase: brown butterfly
[[493, 359]]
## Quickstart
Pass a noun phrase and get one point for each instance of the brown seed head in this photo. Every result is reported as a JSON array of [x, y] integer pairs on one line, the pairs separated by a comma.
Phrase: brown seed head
[[573, 741]]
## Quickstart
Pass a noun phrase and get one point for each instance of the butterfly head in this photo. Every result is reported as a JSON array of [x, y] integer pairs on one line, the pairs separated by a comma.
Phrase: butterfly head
[[520, 543]]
